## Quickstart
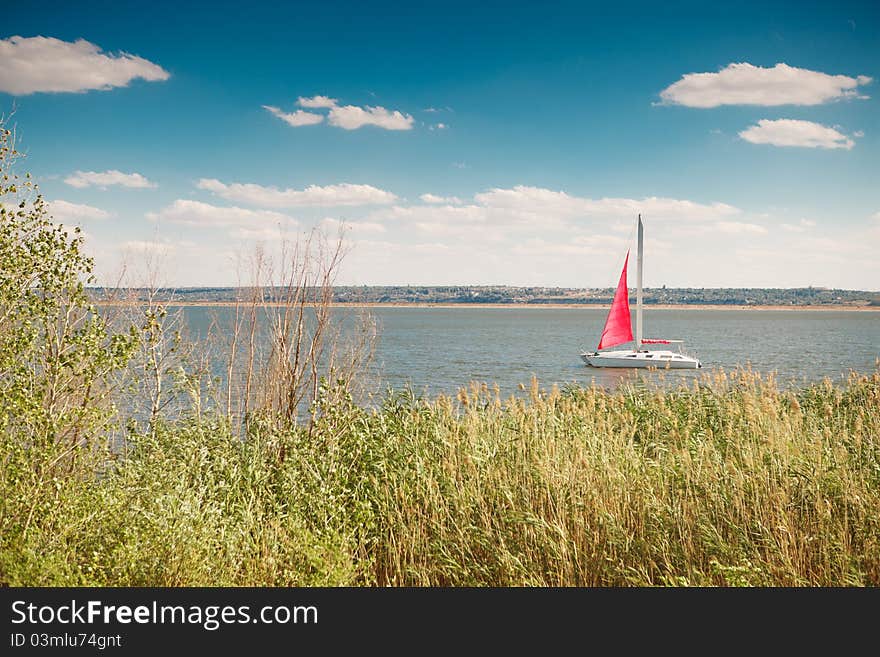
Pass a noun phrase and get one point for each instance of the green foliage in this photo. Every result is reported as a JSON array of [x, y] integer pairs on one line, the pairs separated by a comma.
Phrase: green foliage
[[56, 354], [731, 482], [192, 504]]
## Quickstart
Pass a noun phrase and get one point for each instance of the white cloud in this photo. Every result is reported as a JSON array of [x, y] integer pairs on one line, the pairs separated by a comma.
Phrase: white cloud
[[802, 226], [275, 234], [196, 213], [745, 84], [466, 233], [438, 126], [316, 102], [297, 118], [739, 227], [431, 247], [441, 214], [81, 179], [352, 117], [847, 261], [65, 211], [146, 247], [500, 213], [434, 199], [157, 260], [46, 64], [313, 195], [876, 216], [711, 259], [384, 247], [347, 117], [793, 132], [581, 245], [357, 227], [546, 202]]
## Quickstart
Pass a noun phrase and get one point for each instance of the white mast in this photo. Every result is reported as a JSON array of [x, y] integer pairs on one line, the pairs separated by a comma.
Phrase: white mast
[[639, 291]]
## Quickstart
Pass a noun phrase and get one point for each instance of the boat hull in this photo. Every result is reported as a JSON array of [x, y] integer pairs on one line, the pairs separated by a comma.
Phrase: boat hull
[[641, 359]]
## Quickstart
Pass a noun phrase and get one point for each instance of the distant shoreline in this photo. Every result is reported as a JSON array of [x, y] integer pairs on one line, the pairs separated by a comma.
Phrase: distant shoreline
[[514, 306]]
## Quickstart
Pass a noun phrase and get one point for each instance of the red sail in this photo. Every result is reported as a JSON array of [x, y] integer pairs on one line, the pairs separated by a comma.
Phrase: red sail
[[618, 327]]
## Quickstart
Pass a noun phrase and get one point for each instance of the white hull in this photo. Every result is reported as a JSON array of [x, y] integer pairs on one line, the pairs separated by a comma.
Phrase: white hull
[[630, 358]]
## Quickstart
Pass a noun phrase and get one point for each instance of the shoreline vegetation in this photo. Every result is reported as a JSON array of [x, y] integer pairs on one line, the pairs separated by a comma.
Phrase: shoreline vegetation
[[128, 462], [511, 296], [573, 306], [729, 482]]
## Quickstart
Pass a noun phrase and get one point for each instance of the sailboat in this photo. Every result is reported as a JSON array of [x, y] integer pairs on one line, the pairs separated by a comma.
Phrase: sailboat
[[618, 331]]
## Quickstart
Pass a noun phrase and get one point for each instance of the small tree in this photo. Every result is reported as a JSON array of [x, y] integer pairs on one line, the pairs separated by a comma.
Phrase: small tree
[[286, 338], [57, 353]]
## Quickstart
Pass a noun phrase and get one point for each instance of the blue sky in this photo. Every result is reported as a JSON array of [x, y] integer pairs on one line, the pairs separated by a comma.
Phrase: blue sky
[[501, 142]]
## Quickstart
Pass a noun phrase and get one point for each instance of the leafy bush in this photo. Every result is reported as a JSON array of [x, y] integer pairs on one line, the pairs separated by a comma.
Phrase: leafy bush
[[56, 357]]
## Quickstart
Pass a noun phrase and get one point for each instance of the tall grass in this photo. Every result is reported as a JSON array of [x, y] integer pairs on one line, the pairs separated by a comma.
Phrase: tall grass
[[732, 481]]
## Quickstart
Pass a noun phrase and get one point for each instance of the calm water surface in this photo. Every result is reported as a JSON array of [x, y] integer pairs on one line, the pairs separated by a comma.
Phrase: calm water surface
[[436, 350]]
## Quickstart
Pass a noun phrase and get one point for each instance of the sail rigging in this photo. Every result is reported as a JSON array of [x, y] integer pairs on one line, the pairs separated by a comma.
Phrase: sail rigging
[[618, 325]]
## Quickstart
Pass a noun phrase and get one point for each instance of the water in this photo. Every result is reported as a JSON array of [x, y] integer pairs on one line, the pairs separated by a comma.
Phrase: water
[[435, 350]]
